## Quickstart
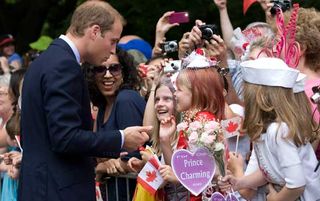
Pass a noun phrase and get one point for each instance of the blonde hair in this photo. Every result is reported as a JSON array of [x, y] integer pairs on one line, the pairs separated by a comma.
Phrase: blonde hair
[[265, 105], [166, 82], [93, 13]]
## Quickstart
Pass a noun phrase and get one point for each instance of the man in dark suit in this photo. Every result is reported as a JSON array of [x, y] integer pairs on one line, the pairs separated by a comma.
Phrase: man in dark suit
[[56, 123]]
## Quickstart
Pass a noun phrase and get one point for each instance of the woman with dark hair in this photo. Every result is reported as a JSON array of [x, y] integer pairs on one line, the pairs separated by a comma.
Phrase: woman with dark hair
[[113, 89]]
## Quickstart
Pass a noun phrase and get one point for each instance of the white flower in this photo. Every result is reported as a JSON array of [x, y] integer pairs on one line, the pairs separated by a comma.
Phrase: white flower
[[211, 126], [204, 137], [219, 146], [194, 126], [193, 138], [182, 126]]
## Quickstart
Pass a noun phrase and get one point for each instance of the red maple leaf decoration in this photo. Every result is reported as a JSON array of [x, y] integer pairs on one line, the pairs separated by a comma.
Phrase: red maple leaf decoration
[[200, 51], [151, 176], [232, 127]]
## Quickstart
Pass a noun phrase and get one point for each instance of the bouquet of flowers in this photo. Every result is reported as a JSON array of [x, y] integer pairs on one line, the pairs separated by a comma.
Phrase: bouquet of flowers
[[205, 132]]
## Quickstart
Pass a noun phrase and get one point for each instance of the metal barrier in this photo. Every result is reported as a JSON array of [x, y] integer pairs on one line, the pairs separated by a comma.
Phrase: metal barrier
[[127, 177], [133, 176]]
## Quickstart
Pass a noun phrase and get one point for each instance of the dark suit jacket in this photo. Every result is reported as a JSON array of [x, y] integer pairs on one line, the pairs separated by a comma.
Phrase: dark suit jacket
[[56, 127]]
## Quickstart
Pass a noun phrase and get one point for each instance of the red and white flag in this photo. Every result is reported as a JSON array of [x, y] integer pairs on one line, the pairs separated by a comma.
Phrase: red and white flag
[[149, 177], [98, 192], [231, 127]]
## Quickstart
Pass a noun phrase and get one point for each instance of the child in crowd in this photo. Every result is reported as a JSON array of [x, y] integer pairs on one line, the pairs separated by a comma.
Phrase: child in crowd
[[282, 155], [160, 105], [200, 94], [12, 158]]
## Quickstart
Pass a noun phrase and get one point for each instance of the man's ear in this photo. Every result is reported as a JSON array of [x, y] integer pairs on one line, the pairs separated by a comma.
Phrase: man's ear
[[95, 31]]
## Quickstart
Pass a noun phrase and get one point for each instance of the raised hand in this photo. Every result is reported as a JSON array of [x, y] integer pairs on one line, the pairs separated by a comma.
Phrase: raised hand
[[221, 4], [163, 25], [167, 128], [167, 174], [184, 45], [135, 136], [153, 75], [217, 48], [195, 35], [162, 28]]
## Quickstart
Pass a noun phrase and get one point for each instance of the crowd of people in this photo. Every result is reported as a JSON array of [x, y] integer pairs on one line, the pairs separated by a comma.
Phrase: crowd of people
[[84, 110]]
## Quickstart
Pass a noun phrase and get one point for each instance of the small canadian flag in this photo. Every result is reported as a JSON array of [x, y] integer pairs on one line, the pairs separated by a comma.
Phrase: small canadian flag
[[98, 192], [149, 177], [231, 127]]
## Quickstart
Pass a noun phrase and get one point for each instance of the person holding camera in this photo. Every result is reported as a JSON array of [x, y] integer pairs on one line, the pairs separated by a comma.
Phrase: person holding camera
[[163, 26], [56, 123]]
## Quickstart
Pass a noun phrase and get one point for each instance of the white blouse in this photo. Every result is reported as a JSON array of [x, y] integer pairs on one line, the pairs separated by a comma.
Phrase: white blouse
[[283, 163]]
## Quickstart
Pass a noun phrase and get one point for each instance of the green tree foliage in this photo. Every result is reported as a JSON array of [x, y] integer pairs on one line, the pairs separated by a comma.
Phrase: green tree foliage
[[28, 19]]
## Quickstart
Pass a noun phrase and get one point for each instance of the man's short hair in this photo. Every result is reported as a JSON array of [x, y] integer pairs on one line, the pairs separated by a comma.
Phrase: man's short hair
[[93, 12]]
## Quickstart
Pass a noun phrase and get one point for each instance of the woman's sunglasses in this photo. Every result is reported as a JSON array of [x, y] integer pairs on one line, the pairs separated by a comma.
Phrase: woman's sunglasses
[[114, 69]]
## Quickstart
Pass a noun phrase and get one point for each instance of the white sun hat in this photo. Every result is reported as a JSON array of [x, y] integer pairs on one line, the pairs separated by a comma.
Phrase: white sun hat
[[300, 82], [270, 72]]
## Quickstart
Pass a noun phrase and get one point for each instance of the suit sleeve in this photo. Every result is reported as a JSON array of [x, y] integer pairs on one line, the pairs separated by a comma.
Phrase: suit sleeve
[[65, 106]]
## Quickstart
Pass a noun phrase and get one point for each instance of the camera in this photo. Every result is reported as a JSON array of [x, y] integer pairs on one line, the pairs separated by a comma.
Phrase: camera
[[172, 66], [315, 98], [207, 30], [169, 46], [284, 5]]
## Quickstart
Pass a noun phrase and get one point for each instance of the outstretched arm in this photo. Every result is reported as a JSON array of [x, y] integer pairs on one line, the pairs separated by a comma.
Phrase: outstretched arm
[[226, 26], [163, 26]]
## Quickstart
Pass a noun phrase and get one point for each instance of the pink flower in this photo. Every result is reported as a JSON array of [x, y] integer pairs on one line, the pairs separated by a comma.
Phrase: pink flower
[[211, 126], [182, 126], [193, 138], [194, 126], [207, 139]]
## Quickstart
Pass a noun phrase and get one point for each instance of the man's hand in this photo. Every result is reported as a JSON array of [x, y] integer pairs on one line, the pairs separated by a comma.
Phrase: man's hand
[[135, 136], [111, 167]]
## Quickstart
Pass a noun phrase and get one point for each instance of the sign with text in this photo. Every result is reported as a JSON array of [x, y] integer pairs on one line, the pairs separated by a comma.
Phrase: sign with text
[[194, 170], [216, 196]]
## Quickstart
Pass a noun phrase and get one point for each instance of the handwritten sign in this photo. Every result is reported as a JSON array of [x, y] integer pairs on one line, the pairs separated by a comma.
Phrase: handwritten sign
[[194, 170]]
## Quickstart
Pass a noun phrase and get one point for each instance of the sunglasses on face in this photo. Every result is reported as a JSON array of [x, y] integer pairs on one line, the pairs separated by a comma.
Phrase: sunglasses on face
[[114, 69]]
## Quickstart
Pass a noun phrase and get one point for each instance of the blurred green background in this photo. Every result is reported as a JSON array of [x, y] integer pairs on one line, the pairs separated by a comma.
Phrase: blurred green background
[[28, 19]]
